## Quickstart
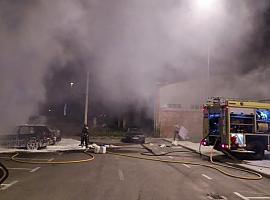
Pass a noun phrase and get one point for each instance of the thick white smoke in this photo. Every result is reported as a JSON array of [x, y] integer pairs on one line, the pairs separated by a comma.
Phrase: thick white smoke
[[131, 41]]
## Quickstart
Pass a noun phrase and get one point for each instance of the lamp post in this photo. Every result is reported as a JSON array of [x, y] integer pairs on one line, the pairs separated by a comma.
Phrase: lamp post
[[86, 99], [206, 9], [208, 72], [157, 109]]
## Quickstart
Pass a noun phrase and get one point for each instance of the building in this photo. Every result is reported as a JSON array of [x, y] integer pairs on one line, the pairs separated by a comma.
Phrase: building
[[180, 104]]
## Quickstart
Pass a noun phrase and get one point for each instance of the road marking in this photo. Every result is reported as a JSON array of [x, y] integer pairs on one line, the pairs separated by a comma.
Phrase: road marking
[[205, 176], [41, 159], [33, 170], [6, 186], [170, 157], [27, 169], [249, 198], [17, 168], [241, 196], [121, 175], [4, 157], [186, 165], [51, 159]]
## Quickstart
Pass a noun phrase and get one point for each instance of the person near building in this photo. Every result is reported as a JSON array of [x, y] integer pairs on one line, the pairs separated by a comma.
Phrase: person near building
[[84, 136], [176, 132]]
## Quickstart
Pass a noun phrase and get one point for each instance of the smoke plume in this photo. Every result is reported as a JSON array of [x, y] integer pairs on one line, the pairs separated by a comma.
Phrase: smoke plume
[[128, 46]]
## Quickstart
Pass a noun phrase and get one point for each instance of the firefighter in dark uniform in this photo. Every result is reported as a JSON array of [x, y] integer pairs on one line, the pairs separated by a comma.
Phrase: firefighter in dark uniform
[[85, 136]]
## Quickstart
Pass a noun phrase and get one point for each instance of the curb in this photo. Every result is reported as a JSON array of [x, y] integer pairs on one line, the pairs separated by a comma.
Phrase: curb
[[240, 166]]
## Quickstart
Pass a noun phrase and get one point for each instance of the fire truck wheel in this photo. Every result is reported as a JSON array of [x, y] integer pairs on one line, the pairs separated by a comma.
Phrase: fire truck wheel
[[258, 148]]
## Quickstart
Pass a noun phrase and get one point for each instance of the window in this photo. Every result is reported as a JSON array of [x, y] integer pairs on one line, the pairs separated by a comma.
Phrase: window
[[196, 107], [241, 123], [24, 130], [213, 123], [174, 106]]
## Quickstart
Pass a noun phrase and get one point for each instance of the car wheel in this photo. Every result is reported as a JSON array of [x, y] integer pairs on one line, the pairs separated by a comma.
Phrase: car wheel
[[32, 145]]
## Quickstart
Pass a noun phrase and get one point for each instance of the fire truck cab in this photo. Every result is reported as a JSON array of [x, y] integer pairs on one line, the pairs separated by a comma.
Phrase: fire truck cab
[[238, 126]]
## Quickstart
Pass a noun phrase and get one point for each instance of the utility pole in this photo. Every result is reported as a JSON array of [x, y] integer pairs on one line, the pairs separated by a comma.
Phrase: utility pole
[[86, 99], [208, 73]]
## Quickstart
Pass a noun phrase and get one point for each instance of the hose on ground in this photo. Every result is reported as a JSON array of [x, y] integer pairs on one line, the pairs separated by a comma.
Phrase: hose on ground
[[5, 173], [17, 159], [258, 175], [165, 154], [213, 166]]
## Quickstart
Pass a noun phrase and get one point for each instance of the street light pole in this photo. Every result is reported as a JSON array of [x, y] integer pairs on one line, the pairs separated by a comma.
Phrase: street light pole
[[86, 99], [208, 71]]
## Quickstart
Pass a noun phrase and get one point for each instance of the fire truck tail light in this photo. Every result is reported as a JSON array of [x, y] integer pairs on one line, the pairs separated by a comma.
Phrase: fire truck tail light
[[204, 142], [224, 146]]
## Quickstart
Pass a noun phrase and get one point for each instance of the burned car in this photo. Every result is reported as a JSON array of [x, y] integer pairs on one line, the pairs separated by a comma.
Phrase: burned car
[[31, 137], [134, 135]]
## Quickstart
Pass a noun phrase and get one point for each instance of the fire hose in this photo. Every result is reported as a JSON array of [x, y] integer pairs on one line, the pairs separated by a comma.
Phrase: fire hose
[[145, 156], [5, 173], [17, 159], [213, 166]]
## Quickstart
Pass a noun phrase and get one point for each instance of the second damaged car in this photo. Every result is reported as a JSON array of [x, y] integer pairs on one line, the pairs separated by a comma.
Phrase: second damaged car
[[134, 135]]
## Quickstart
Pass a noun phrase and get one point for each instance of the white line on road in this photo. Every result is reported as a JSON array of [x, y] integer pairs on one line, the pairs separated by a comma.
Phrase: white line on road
[[41, 159], [121, 175], [6, 186], [33, 170], [186, 165], [51, 159], [4, 157], [18, 168], [170, 157], [205, 176], [249, 198], [241, 196]]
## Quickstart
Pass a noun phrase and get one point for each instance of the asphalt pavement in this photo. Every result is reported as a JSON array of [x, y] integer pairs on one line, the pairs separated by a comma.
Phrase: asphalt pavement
[[115, 177]]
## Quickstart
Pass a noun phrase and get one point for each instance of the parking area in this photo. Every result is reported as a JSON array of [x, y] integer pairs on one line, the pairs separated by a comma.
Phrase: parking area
[[18, 172], [110, 176]]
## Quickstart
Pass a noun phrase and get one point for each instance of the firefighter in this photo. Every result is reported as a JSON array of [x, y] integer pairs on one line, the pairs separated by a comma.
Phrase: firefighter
[[176, 132], [84, 136]]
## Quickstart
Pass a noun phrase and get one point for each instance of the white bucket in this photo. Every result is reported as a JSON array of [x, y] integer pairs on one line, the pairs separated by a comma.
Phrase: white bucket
[[102, 149], [96, 149]]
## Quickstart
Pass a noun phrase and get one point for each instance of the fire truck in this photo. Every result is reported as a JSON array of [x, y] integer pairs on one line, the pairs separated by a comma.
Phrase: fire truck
[[241, 127]]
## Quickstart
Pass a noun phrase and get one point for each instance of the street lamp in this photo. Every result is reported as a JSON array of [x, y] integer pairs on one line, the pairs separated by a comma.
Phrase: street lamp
[[71, 84], [206, 7], [86, 99], [66, 105], [205, 4], [206, 12]]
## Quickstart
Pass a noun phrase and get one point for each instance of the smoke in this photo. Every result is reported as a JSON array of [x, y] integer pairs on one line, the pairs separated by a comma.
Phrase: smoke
[[127, 46]]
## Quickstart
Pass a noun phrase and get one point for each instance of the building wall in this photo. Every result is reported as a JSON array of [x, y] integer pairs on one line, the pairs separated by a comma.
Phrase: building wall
[[191, 120], [189, 95]]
